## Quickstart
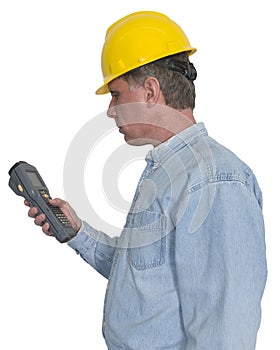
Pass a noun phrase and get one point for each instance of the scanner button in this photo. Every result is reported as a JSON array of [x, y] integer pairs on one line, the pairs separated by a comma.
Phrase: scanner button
[[20, 188]]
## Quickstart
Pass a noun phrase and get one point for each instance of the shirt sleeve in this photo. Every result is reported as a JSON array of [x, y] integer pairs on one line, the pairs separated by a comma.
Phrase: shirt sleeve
[[221, 269], [95, 247]]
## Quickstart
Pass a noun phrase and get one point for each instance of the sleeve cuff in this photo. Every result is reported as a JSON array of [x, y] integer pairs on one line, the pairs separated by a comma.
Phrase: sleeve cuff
[[83, 236]]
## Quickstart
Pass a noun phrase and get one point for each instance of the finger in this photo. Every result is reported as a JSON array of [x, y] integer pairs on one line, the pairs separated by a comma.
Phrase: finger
[[26, 203], [46, 229], [39, 220], [32, 212]]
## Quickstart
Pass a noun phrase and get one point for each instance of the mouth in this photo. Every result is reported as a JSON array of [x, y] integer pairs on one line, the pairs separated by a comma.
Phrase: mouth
[[119, 125]]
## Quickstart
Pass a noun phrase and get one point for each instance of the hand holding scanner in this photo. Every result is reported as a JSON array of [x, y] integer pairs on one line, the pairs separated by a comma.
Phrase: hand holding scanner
[[26, 182]]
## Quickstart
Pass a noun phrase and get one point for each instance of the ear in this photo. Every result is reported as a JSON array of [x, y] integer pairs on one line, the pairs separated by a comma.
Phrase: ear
[[152, 90]]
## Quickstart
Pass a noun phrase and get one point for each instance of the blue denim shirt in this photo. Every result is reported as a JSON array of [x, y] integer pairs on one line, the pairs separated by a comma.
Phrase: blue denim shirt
[[189, 269]]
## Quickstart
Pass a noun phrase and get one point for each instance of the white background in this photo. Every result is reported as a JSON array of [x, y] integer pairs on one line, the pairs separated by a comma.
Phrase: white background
[[50, 68]]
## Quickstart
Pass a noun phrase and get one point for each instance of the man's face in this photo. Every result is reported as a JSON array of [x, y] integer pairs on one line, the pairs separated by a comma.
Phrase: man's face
[[129, 109]]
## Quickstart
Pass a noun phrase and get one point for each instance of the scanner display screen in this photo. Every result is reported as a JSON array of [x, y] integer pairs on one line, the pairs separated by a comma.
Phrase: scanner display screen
[[33, 177]]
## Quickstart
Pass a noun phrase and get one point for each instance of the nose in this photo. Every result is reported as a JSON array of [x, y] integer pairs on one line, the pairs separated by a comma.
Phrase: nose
[[111, 112]]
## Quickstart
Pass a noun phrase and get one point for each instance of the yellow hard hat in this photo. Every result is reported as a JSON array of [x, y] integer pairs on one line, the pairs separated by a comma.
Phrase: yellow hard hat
[[137, 39]]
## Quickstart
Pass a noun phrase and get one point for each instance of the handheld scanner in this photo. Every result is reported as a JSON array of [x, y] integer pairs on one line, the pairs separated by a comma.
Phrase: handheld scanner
[[26, 182]]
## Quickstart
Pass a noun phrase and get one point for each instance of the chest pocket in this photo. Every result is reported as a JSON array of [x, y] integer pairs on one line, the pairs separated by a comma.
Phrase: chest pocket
[[145, 232]]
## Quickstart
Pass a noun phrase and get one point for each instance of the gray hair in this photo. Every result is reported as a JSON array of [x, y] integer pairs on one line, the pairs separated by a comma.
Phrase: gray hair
[[175, 75]]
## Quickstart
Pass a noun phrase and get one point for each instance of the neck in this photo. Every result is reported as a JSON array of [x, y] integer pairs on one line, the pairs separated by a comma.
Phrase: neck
[[172, 123]]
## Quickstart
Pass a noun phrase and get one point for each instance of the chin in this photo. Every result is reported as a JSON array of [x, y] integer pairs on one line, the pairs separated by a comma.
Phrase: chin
[[140, 141], [133, 142]]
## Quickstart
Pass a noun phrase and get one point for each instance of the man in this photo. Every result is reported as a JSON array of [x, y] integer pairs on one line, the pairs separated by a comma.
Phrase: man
[[189, 269]]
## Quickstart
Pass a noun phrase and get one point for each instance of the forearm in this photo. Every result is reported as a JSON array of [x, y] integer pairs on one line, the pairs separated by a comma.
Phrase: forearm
[[90, 245]]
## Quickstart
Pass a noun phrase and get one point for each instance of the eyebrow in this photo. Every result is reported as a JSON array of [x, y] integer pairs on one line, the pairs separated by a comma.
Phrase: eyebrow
[[113, 91]]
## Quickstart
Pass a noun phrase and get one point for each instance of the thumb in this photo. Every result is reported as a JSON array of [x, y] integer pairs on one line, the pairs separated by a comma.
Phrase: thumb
[[57, 202]]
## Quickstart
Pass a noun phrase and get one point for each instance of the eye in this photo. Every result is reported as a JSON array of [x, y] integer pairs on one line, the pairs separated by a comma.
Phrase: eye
[[115, 94]]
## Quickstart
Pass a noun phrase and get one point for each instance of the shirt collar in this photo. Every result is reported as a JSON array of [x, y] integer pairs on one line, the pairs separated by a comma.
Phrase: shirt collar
[[176, 142]]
